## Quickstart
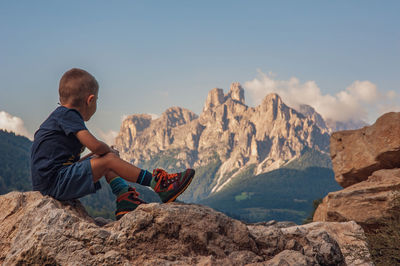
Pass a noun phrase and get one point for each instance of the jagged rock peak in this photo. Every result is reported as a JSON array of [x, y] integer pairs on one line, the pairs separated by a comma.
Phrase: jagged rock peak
[[138, 121], [236, 92], [272, 101], [214, 98], [135, 117], [274, 97], [131, 127], [310, 112], [175, 116]]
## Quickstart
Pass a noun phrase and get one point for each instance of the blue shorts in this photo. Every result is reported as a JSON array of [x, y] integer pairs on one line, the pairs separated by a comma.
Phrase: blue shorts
[[73, 182]]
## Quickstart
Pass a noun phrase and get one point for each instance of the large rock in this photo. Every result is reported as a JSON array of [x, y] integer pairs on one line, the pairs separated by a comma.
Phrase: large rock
[[356, 154], [321, 236], [367, 164], [368, 203], [42, 231], [349, 236]]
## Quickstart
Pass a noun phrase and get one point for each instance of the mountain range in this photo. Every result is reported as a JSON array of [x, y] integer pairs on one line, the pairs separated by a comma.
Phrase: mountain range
[[226, 140], [253, 163]]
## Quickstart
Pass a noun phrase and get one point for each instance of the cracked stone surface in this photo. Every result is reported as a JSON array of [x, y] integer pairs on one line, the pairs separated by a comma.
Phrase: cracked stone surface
[[40, 230]]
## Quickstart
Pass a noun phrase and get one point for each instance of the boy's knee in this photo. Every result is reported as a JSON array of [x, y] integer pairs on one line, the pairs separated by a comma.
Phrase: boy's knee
[[110, 156], [104, 163]]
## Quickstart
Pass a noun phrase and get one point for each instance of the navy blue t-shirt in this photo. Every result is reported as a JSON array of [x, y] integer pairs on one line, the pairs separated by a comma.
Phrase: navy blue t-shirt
[[55, 146]]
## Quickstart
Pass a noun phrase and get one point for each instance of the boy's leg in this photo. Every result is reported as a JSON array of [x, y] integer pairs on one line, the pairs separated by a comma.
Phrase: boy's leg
[[118, 185], [110, 175], [127, 197], [111, 162], [168, 186]]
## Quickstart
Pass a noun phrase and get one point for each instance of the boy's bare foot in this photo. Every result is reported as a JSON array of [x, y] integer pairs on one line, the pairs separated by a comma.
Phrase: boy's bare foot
[[170, 186]]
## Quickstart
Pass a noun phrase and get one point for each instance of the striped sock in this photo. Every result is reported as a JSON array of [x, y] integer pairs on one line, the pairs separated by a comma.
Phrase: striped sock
[[144, 178], [118, 186]]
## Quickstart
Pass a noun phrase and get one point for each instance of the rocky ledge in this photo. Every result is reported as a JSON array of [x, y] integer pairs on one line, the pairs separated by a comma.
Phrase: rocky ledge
[[356, 154], [367, 164], [40, 230]]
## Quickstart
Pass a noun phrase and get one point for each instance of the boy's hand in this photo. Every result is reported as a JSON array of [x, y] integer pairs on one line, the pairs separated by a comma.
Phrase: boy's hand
[[115, 151]]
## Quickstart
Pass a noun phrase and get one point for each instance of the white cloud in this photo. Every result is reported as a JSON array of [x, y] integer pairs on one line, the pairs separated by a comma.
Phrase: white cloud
[[364, 90], [108, 137], [14, 124], [359, 101]]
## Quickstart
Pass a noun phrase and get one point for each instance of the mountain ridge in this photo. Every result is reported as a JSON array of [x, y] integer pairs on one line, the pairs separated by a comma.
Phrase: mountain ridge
[[268, 135]]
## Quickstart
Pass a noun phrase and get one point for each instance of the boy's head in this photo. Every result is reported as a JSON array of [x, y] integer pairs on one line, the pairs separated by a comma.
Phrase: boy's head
[[76, 85]]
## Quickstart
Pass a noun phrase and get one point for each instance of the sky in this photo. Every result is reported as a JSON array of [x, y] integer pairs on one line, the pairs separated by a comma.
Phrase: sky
[[341, 57]]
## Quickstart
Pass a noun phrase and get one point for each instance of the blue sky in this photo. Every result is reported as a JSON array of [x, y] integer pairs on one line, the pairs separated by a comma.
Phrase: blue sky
[[151, 55]]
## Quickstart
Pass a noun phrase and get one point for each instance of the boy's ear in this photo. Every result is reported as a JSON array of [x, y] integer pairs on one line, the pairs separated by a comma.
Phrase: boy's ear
[[90, 98]]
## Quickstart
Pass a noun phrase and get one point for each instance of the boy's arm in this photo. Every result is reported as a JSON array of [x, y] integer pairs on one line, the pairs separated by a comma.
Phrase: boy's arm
[[94, 145]]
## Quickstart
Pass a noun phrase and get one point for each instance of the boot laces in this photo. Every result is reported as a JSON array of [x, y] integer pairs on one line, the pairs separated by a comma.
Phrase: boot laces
[[164, 176], [133, 191]]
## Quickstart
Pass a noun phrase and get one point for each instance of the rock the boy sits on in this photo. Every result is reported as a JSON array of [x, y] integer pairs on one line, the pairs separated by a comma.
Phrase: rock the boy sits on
[[56, 167]]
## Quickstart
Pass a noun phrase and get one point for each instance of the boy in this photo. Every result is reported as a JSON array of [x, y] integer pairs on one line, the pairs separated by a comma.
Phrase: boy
[[55, 156]]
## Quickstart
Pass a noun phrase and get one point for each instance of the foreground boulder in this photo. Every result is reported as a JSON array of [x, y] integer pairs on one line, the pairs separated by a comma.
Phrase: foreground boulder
[[309, 238], [369, 203], [40, 230], [356, 154], [366, 163]]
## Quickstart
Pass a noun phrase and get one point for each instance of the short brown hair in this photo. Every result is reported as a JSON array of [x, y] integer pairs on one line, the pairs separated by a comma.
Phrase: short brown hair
[[75, 85]]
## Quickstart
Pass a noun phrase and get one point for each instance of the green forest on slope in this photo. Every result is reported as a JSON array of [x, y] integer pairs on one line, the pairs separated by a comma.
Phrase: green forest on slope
[[14, 162], [285, 194]]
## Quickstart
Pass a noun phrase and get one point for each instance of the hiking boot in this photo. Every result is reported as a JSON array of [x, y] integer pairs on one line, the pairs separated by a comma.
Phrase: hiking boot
[[127, 202], [170, 186]]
